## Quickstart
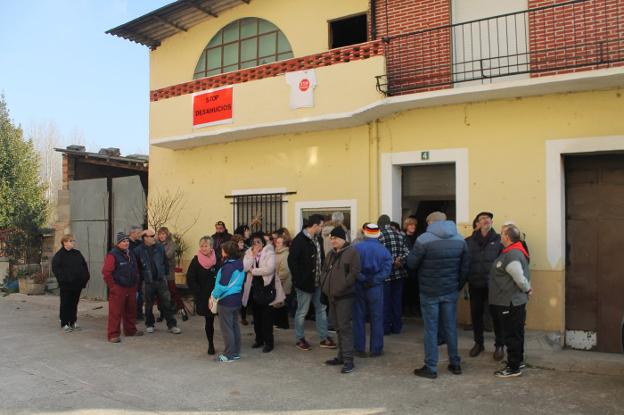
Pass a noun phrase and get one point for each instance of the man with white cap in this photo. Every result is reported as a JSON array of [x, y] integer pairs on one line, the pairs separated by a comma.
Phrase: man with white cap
[[375, 266], [441, 259], [154, 268]]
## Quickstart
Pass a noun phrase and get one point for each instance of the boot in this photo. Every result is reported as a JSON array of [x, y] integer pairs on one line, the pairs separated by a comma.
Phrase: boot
[[476, 350], [499, 353]]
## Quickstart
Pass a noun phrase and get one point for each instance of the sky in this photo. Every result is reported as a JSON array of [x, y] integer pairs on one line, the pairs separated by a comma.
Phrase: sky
[[57, 64]]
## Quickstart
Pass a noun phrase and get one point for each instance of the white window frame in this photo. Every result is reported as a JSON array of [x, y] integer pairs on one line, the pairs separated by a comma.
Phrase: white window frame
[[350, 204]]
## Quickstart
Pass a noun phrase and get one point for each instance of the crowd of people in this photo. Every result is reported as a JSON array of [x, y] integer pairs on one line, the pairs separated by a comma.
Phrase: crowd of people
[[348, 284]]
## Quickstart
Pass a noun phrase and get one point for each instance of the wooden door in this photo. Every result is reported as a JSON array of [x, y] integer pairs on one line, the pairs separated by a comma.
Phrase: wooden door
[[595, 242]]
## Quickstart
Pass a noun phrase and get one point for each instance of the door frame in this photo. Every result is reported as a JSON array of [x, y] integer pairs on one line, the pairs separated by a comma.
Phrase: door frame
[[391, 164], [556, 213]]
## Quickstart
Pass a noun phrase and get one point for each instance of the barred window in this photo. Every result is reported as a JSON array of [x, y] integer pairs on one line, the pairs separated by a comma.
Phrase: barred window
[[262, 212], [244, 43]]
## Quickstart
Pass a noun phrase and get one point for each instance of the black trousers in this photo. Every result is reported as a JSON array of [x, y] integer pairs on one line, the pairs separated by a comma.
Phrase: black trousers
[[263, 323], [160, 289], [478, 308], [512, 319], [280, 317], [69, 305], [209, 327]]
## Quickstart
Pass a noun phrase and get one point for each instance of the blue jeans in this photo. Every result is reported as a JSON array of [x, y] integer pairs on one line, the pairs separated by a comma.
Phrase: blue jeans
[[368, 302], [393, 306], [303, 305], [433, 309]]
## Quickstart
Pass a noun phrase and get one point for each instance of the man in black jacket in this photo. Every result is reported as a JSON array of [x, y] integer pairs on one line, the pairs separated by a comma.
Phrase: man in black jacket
[[305, 261], [484, 246]]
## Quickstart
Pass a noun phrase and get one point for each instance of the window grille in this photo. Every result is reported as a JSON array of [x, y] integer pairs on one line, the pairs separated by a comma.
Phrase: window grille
[[262, 212]]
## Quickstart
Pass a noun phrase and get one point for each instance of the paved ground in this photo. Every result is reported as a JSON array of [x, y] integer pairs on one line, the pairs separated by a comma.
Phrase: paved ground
[[43, 370]]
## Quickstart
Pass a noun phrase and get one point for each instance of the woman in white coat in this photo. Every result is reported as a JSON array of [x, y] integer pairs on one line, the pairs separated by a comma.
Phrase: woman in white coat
[[259, 262]]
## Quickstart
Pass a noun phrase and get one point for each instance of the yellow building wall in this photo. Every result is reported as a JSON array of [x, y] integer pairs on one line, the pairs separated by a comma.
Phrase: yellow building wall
[[304, 22], [506, 147], [320, 166], [340, 88]]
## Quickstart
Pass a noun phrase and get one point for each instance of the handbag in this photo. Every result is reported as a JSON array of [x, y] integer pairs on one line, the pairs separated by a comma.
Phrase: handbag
[[263, 294], [215, 305], [214, 308]]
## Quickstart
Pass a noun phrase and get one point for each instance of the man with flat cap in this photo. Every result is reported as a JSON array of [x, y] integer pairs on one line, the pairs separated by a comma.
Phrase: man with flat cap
[[484, 246]]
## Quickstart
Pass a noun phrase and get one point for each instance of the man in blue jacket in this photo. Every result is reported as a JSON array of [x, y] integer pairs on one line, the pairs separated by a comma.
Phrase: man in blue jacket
[[154, 269], [441, 259], [376, 264]]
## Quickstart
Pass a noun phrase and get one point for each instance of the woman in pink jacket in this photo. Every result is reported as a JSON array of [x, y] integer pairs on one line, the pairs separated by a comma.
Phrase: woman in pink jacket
[[259, 263]]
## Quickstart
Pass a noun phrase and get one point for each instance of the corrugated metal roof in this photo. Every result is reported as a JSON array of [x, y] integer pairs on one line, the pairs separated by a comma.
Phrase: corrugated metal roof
[[151, 29]]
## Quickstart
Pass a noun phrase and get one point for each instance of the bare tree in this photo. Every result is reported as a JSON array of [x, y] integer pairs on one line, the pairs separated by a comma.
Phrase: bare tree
[[165, 208], [46, 136]]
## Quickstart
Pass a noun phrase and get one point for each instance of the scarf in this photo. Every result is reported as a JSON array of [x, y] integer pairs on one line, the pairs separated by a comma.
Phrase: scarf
[[517, 245], [207, 261]]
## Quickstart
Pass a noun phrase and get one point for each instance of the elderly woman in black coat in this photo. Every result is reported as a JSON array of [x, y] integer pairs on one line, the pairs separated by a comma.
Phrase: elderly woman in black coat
[[71, 271], [200, 278]]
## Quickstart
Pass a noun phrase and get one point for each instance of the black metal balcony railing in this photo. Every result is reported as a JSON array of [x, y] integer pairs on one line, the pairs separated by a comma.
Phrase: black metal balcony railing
[[549, 39]]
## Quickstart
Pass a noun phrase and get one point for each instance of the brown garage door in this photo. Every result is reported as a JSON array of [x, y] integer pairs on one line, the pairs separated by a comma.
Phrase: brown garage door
[[595, 247]]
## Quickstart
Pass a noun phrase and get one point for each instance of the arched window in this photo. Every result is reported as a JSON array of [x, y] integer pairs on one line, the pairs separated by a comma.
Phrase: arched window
[[243, 44]]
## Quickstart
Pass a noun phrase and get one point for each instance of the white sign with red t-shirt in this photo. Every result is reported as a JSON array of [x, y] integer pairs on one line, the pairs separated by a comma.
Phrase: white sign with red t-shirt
[[302, 84]]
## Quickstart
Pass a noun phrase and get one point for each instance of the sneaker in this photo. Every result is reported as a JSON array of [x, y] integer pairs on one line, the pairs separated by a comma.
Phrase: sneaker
[[149, 329], [67, 328], [334, 362], [455, 369], [115, 340], [302, 344], [235, 357], [508, 372], [328, 343], [175, 330], [75, 326], [425, 372], [522, 365], [223, 359], [347, 367]]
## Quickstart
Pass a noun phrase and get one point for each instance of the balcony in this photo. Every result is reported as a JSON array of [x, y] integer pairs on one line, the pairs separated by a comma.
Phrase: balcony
[[572, 36]]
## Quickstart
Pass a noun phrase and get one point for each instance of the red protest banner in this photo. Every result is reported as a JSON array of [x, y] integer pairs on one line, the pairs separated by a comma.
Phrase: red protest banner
[[213, 107]]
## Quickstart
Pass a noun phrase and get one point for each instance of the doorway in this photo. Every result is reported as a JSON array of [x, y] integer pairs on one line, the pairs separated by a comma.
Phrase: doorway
[[425, 188], [594, 281]]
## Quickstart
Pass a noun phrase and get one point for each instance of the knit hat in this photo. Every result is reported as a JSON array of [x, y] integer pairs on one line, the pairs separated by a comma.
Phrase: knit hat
[[371, 230], [436, 216], [121, 236], [338, 232]]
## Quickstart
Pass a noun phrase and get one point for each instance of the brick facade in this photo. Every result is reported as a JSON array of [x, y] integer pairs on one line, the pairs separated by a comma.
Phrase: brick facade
[[417, 59], [575, 37]]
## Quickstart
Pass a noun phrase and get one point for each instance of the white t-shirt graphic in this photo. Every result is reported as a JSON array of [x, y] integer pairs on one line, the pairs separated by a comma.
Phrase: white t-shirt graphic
[[302, 84]]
